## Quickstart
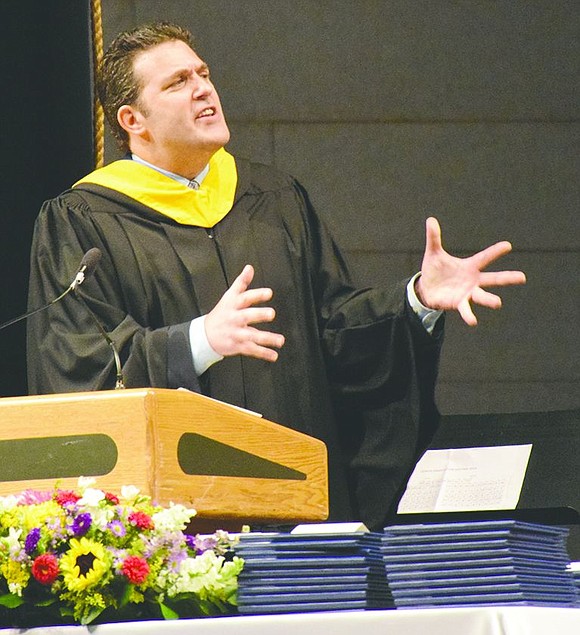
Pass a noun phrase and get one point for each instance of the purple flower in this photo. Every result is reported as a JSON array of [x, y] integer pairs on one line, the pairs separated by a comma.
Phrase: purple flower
[[81, 524], [204, 543], [175, 557], [152, 544], [117, 528], [56, 531], [118, 556], [32, 540]]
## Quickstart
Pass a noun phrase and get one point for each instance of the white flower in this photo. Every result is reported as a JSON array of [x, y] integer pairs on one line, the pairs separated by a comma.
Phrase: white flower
[[12, 541], [86, 481], [91, 497], [129, 492], [16, 588], [175, 517], [8, 502], [197, 574], [102, 516], [13, 538]]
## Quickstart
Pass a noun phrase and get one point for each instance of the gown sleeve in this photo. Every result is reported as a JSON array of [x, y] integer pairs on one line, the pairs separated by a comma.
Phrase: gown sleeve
[[382, 368], [65, 351]]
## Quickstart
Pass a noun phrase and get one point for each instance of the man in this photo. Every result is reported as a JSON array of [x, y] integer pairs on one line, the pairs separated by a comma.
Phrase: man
[[203, 252]]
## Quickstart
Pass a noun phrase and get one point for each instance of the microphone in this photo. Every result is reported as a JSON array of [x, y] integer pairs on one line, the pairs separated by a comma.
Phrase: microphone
[[88, 265]]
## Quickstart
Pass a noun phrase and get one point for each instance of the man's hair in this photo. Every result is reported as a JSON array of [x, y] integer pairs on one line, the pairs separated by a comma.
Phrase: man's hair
[[116, 81]]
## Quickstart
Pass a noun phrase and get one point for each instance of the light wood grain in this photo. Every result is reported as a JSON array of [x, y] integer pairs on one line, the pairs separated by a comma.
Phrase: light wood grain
[[147, 424]]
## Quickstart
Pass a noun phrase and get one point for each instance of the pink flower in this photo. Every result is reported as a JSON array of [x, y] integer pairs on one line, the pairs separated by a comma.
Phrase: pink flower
[[45, 568], [33, 497], [135, 569], [66, 497], [141, 520]]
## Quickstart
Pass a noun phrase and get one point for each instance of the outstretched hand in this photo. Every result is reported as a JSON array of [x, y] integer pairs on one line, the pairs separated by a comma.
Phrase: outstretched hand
[[228, 325], [450, 283]]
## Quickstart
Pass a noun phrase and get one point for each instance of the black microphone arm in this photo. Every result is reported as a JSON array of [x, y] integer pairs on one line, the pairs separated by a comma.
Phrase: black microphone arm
[[86, 268], [91, 260], [119, 383]]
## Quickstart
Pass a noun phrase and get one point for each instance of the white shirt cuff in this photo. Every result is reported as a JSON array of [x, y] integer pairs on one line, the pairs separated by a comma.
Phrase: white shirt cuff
[[203, 354], [427, 316]]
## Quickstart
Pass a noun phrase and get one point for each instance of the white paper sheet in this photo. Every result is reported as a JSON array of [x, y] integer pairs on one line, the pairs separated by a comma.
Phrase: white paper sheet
[[330, 528], [467, 479]]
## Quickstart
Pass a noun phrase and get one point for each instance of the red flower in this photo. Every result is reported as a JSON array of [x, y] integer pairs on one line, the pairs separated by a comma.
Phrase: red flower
[[64, 497], [111, 498], [45, 568], [135, 569], [141, 520]]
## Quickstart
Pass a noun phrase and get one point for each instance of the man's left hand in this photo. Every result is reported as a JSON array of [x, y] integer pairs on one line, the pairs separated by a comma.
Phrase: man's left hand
[[450, 283]]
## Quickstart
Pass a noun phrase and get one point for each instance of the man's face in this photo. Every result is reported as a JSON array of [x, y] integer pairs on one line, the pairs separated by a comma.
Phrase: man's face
[[179, 106]]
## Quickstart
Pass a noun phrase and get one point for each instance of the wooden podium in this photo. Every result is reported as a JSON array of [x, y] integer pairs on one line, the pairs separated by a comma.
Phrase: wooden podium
[[174, 445]]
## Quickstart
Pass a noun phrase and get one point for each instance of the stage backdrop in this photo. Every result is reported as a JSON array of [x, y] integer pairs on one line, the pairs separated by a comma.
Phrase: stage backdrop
[[390, 111], [45, 143]]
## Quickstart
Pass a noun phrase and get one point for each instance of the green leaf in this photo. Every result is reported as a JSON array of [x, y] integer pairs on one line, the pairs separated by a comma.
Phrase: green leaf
[[92, 615], [11, 600], [125, 596], [168, 613]]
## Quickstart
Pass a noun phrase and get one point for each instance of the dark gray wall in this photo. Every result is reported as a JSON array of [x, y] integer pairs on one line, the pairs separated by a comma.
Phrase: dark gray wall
[[390, 111], [45, 142]]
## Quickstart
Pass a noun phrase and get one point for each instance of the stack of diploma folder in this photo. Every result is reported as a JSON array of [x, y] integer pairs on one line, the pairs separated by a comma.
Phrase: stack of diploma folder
[[575, 569], [285, 573], [478, 563]]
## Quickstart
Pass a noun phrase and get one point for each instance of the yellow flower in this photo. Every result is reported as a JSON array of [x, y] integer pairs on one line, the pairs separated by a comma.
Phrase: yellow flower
[[37, 515], [96, 599], [85, 604], [84, 564], [135, 596], [10, 518], [16, 575]]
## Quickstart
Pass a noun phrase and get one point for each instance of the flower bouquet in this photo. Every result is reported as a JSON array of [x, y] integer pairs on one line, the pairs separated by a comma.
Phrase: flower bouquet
[[90, 556]]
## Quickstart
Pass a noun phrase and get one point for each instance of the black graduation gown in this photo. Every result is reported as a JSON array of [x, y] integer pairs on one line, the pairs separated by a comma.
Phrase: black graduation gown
[[358, 369]]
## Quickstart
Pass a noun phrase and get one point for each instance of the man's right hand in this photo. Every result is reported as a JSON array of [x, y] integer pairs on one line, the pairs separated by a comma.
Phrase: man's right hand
[[227, 325]]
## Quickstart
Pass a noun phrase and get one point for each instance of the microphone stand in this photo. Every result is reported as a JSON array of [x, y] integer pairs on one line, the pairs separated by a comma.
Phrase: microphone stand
[[119, 383]]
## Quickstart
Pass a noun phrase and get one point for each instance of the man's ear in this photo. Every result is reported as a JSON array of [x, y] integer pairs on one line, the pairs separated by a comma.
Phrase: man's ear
[[131, 120]]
